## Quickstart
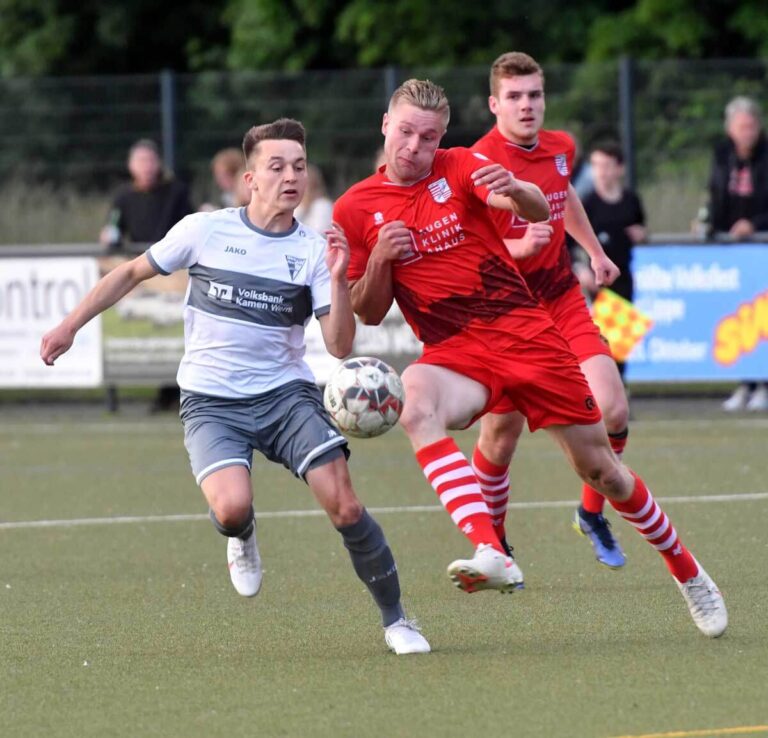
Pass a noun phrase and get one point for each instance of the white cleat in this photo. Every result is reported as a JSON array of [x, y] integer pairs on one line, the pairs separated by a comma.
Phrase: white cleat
[[487, 569], [245, 564], [705, 603], [403, 637]]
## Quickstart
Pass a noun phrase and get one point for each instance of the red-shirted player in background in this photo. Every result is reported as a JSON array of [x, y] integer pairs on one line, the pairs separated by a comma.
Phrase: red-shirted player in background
[[419, 232], [519, 142]]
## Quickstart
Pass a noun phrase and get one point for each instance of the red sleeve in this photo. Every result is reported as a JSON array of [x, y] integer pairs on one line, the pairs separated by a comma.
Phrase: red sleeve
[[467, 162], [471, 162], [348, 218]]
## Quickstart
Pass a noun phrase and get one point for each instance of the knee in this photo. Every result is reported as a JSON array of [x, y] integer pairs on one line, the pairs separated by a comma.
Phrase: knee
[[231, 512], [616, 414], [498, 438], [416, 413], [605, 474], [346, 512]]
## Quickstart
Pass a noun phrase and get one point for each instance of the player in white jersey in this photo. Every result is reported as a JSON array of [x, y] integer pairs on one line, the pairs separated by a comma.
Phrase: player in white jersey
[[256, 276]]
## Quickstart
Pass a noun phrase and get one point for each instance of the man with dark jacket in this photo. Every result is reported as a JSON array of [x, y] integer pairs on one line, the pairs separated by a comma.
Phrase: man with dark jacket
[[145, 209], [738, 191], [738, 183]]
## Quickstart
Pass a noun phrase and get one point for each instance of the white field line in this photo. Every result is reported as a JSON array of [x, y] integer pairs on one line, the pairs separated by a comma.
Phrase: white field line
[[74, 522], [56, 427]]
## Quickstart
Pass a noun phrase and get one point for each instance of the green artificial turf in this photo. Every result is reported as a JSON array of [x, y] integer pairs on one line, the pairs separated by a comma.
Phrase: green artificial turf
[[133, 629]]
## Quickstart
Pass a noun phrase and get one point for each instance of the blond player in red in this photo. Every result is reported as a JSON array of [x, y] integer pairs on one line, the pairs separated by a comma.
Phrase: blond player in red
[[419, 232], [519, 142]]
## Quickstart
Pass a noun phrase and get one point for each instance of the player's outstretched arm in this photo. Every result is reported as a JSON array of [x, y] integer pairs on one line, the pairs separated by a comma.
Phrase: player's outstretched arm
[[373, 293], [510, 193], [107, 291], [338, 326], [578, 226]]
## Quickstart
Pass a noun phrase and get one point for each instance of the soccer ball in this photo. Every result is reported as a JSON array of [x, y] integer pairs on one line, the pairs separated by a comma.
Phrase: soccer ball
[[364, 397]]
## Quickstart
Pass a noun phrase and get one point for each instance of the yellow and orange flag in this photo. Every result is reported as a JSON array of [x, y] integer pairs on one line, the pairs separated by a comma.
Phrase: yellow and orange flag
[[620, 322]]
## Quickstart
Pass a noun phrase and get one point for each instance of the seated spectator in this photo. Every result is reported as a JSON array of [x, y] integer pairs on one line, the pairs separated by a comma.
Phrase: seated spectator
[[144, 210], [316, 209], [738, 191], [226, 165]]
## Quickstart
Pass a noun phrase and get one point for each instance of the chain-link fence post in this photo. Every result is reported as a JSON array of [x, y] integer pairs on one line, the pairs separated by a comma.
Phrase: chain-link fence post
[[627, 117], [168, 117]]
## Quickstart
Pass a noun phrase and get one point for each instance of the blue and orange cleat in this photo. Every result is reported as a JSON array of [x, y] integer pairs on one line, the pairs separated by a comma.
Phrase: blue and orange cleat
[[595, 527]]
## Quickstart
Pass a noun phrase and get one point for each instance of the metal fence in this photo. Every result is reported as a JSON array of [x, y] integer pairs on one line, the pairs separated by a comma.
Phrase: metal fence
[[75, 132]]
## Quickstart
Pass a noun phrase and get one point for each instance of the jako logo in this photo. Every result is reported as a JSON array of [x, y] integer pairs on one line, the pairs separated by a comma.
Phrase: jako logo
[[234, 250], [220, 291]]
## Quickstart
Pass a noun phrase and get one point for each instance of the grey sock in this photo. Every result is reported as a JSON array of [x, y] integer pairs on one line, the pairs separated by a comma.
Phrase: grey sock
[[237, 531], [375, 565]]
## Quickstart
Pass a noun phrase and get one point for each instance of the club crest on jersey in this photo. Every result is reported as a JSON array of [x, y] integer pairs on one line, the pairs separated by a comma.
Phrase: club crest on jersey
[[378, 218], [561, 164], [440, 190], [295, 265], [222, 292]]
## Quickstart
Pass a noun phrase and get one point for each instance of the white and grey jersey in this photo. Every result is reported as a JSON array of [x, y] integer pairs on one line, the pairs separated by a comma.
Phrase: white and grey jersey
[[250, 295]]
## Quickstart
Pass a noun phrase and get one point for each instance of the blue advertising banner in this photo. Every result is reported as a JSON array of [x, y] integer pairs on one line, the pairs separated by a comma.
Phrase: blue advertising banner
[[709, 305]]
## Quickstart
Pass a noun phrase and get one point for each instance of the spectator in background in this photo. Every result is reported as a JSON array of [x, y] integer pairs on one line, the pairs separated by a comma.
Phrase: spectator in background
[[617, 218], [226, 168], [316, 208], [738, 204], [142, 212], [616, 215], [738, 181], [145, 209]]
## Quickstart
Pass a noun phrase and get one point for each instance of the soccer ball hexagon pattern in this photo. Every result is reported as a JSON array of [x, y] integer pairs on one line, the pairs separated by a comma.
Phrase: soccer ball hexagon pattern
[[364, 397]]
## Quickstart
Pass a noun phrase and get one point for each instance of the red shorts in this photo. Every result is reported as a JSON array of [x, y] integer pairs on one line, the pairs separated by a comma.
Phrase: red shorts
[[539, 377], [572, 318]]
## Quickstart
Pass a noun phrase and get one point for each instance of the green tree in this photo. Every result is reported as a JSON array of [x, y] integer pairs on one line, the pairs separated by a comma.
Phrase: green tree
[[660, 29], [71, 37]]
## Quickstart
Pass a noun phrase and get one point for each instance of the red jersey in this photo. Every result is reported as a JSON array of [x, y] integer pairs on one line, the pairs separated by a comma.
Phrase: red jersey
[[547, 164], [458, 279]]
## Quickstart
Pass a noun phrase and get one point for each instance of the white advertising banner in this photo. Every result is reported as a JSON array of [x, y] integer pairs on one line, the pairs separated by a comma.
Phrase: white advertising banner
[[35, 294]]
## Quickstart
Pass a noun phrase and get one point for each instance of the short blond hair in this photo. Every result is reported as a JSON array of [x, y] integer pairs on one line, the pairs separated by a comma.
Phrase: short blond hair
[[513, 64], [424, 94]]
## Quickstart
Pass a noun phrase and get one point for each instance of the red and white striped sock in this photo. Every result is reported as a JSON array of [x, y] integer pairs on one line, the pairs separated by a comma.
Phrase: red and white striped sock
[[591, 500], [644, 513], [449, 472], [494, 484]]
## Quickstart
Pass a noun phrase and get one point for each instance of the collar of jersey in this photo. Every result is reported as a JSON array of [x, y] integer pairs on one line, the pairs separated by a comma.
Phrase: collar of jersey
[[388, 181], [269, 234], [517, 146]]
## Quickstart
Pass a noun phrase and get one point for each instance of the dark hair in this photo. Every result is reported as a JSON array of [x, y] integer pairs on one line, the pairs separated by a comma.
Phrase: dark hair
[[513, 64], [610, 148], [281, 129]]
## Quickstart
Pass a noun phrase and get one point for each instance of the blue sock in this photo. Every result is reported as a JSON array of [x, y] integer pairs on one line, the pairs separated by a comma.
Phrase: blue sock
[[375, 565]]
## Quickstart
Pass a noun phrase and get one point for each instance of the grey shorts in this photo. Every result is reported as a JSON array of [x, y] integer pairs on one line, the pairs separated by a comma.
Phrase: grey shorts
[[288, 425]]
